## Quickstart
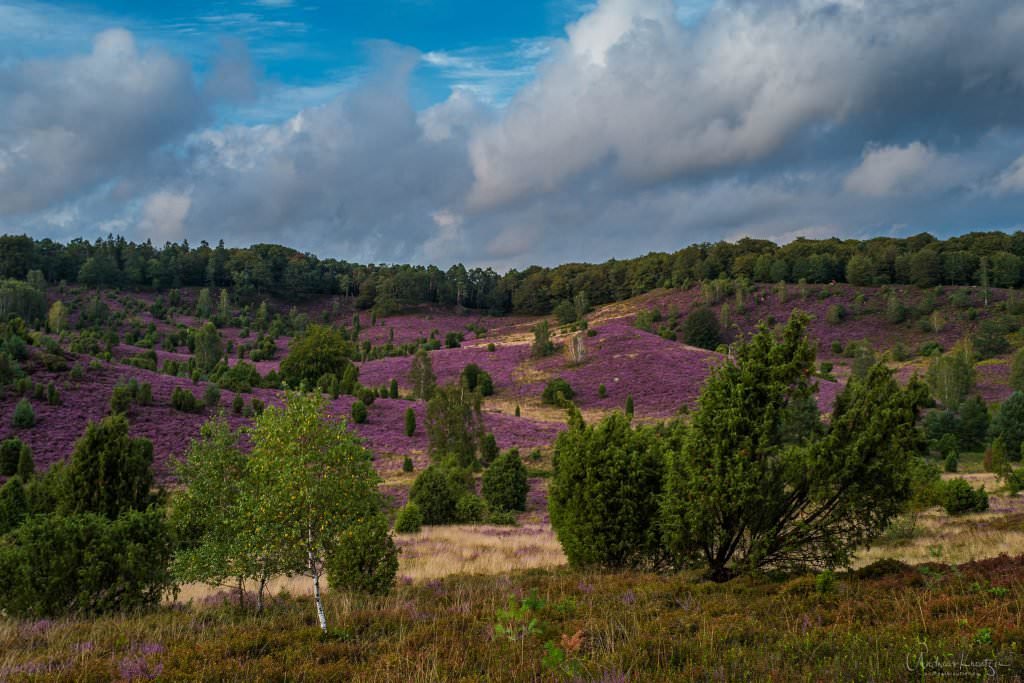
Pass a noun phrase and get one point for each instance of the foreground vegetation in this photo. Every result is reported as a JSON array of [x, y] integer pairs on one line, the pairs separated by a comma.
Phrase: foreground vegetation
[[782, 466], [565, 625]]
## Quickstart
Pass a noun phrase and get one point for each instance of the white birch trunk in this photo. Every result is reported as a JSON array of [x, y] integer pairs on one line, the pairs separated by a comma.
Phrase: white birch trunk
[[315, 571]]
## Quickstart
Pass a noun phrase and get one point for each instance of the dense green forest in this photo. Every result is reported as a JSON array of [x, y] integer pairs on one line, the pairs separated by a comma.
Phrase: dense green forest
[[980, 258]]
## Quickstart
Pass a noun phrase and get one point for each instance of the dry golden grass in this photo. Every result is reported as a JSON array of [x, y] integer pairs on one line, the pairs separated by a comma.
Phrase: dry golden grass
[[441, 551], [938, 537], [436, 552]]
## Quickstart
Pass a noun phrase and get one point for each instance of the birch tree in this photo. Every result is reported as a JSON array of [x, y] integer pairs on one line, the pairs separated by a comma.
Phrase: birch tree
[[313, 483], [222, 543]]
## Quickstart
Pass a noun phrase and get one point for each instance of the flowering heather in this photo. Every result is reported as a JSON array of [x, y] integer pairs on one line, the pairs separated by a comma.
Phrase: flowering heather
[[53, 437], [992, 380], [867, 323], [827, 393], [410, 327], [448, 364], [384, 430], [659, 374], [536, 502]]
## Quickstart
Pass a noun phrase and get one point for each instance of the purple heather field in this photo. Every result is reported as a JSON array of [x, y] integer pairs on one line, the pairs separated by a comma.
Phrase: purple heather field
[[661, 375]]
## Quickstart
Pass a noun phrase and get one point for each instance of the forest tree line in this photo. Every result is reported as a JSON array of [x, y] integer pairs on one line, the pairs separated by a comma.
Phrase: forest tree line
[[981, 258]]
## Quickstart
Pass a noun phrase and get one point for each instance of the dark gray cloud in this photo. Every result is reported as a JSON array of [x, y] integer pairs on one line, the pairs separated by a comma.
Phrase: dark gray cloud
[[69, 125], [638, 132]]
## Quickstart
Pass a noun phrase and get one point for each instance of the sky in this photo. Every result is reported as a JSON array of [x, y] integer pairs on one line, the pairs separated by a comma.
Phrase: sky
[[507, 134]]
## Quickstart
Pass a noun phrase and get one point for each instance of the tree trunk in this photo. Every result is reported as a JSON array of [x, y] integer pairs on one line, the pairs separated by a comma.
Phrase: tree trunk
[[319, 602], [259, 595], [719, 573], [241, 592], [315, 571]]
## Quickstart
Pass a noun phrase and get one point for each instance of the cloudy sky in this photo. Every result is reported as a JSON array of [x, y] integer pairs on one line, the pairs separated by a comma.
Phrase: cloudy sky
[[509, 133]]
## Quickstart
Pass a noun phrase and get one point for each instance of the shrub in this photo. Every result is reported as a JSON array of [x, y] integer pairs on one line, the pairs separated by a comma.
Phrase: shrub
[[144, 396], [436, 495], [185, 401], [470, 509], [321, 350], [211, 397], [959, 498], [542, 345], [326, 382], [364, 559], [701, 329], [240, 378], [407, 465], [454, 425], [393, 389], [359, 412], [835, 314], [604, 493], [24, 417], [947, 444], [237, 404], [602, 391], [490, 347], [110, 472], [995, 459], [367, 396], [409, 519], [837, 347], [488, 449], [26, 465], [13, 505], [951, 463], [557, 392], [1008, 424], [121, 399], [972, 428], [504, 483], [1017, 374], [10, 453], [85, 564], [759, 481], [500, 518], [258, 406], [990, 339], [52, 397], [474, 378], [629, 406], [452, 340], [410, 422]]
